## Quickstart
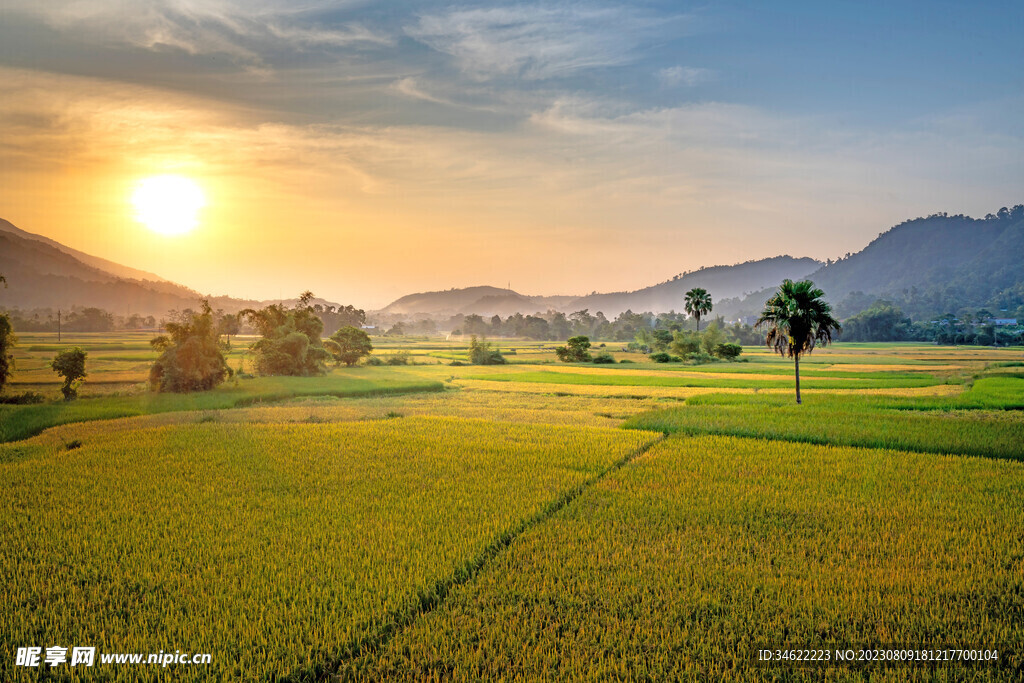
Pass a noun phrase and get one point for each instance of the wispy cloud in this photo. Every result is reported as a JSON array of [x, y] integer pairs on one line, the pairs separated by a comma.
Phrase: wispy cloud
[[537, 42], [250, 33], [674, 76]]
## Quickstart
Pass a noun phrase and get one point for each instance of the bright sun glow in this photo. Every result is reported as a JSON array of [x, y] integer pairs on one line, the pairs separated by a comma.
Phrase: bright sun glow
[[168, 204]]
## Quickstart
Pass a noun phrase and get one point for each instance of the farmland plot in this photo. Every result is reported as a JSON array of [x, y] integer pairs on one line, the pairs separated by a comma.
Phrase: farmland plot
[[274, 547]]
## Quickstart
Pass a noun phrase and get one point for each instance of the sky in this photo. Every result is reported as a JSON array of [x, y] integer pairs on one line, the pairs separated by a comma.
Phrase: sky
[[367, 150]]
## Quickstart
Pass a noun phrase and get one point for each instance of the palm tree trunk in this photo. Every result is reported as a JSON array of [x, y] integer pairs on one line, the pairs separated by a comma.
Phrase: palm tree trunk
[[796, 364]]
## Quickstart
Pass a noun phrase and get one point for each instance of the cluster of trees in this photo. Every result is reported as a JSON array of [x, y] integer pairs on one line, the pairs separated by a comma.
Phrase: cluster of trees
[[291, 343], [76, 320], [884, 321]]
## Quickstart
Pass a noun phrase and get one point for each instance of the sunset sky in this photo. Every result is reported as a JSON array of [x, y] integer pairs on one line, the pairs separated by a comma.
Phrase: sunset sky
[[366, 150]]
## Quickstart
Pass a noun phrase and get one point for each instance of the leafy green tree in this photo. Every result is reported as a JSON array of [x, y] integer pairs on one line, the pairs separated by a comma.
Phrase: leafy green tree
[[711, 338], [349, 344], [70, 364], [191, 358], [481, 353], [698, 303], [576, 350], [7, 341], [661, 339], [686, 343], [797, 317], [291, 343]]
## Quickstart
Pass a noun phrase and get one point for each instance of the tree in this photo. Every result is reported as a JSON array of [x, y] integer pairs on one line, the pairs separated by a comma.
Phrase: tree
[[797, 318], [576, 350], [291, 343], [481, 353], [190, 355], [349, 344], [70, 364], [698, 303], [7, 341], [686, 343]]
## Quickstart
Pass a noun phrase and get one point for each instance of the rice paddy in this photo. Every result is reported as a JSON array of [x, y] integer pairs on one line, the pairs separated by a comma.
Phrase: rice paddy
[[533, 521]]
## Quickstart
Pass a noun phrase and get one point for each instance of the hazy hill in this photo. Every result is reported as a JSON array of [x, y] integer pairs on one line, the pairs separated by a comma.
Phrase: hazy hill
[[722, 282], [927, 266], [102, 264], [42, 273]]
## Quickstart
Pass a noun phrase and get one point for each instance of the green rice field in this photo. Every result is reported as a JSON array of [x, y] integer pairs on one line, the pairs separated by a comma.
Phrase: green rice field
[[530, 521]]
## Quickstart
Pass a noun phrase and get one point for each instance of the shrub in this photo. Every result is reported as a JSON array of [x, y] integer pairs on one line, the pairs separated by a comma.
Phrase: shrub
[[27, 398], [373, 361], [399, 358], [604, 358], [728, 351], [663, 357]]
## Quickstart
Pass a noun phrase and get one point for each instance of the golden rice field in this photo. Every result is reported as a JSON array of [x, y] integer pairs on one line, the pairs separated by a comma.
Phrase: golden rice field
[[532, 521]]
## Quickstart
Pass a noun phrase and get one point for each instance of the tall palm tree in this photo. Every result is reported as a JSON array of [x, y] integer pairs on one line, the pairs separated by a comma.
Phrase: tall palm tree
[[797, 318], [698, 303]]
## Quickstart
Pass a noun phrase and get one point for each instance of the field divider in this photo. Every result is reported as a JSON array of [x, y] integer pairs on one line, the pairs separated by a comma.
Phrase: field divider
[[429, 599]]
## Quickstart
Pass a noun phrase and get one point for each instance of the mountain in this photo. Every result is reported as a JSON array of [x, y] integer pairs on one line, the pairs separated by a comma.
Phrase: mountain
[[720, 281], [102, 264], [42, 273], [927, 266]]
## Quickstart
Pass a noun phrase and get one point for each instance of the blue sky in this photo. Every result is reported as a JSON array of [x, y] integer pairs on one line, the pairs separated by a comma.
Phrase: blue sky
[[554, 144]]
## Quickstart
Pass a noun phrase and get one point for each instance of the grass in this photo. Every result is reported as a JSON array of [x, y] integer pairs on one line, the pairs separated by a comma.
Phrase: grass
[[19, 422], [274, 546], [679, 566], [844, 421], [634, 380]]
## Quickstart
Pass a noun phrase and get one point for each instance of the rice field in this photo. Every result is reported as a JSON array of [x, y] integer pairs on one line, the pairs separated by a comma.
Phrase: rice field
[[276, 546], [532, 521], [706, 549]]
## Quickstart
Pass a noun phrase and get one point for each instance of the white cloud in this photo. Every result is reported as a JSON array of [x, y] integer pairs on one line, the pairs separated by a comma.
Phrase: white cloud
[[537, 42]]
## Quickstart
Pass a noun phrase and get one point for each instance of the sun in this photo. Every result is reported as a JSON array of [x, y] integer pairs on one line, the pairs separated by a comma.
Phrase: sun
[[168, 204]]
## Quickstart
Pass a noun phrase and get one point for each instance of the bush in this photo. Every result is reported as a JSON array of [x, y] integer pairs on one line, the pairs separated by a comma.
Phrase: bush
[[663, 357], [626, 360], [728, 351], [27, 398], [373, 361], [399, 358], [604, 358]]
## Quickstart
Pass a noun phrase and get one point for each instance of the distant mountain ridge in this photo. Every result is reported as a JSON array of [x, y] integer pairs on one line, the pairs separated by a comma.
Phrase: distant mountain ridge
[[720, 281], [42, 273], [927, 266]]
